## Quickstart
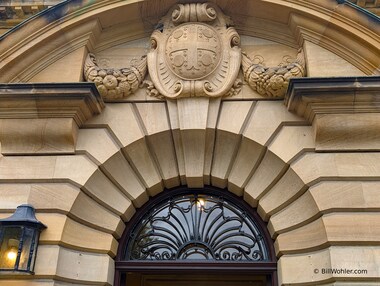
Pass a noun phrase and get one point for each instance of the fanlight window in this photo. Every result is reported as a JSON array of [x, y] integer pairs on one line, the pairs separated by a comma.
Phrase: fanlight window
[[197, 227]]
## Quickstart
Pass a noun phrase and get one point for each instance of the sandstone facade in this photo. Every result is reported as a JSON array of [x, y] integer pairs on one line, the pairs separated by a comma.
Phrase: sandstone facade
[[308, 160]]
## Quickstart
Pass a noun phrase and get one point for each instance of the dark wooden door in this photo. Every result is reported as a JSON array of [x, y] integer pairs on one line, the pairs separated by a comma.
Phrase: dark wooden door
[[136, 279]]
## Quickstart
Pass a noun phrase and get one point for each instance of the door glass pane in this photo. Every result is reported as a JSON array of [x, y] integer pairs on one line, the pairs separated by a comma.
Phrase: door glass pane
[[197, 227], [136, 279]]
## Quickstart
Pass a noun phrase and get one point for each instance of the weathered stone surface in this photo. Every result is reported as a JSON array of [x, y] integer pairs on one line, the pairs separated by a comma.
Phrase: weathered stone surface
[[232, 119], [323, 63], [327, 197], [272, 81], [195, 52], [336, 257], [58, 262], [255, 146], [266, 118], [44, 118], [286, 190], [98, 143], [292, 141], [58, 71], [311, 167]]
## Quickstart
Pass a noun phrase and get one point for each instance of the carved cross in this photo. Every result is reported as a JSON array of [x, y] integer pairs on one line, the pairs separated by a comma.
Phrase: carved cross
[[192, 44]]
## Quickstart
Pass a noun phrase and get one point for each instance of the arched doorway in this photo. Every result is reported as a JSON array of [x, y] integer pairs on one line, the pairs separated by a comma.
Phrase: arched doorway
[[205, 236]]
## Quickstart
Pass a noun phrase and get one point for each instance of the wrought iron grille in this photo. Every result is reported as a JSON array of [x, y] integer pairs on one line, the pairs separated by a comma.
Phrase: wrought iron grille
[[197, 227]]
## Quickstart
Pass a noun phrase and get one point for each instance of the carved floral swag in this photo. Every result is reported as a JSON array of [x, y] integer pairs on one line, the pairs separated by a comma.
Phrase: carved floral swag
[[195, 51]]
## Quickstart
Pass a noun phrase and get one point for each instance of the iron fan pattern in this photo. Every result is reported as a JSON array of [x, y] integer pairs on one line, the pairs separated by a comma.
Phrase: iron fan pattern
[[198, 227]]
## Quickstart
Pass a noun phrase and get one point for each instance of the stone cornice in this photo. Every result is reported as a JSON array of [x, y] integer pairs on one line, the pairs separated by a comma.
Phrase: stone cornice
[[344, 112], [366, 5], [13, 12], [308, 97], [80, 101]]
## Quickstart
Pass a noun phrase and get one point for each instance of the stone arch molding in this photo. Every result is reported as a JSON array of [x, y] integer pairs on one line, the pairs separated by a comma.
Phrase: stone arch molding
[[257, 150], [195, 52], [97, 25], [197, 141]]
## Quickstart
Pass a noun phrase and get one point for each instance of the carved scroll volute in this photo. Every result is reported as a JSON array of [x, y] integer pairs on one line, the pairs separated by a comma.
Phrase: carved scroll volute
[[115, 83], [193, 53], [272, 81]]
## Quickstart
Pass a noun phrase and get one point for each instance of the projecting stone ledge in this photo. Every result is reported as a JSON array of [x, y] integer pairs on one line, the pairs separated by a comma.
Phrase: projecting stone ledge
[[344, 111], [13, 12], [44, 118]]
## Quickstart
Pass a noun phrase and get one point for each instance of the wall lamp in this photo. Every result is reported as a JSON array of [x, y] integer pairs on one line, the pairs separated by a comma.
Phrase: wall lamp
[[19, 236]]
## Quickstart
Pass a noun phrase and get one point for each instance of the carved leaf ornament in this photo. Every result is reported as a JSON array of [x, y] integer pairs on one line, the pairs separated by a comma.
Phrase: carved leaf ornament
[[195, 51], [272, 81], [115, 83]]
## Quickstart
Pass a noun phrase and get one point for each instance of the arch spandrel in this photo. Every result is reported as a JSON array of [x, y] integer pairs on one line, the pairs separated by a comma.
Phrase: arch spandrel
[[277, 180], [70, 30]]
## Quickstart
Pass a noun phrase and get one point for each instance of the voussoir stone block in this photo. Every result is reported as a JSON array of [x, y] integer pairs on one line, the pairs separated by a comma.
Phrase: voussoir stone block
[[97, 142], [327, 197], [226, 146], [347, 195], [121, 171], [89, 212], [139, 156], [291, 141], [244, 166], [107, 194], [332, 229], [117, 117], [266, 118], [285, 191], [64, 231], [265, 176], [232, 119], [299, 212]]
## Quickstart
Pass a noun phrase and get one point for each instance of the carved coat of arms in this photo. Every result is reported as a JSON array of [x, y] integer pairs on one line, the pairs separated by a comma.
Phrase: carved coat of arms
[[194, 52]]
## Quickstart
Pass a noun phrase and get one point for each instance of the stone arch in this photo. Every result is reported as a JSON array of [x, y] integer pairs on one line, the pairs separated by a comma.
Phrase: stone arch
[[278, 181], [138, 172], [62, 30], [160, 156], [265, 154], [294, 188]]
